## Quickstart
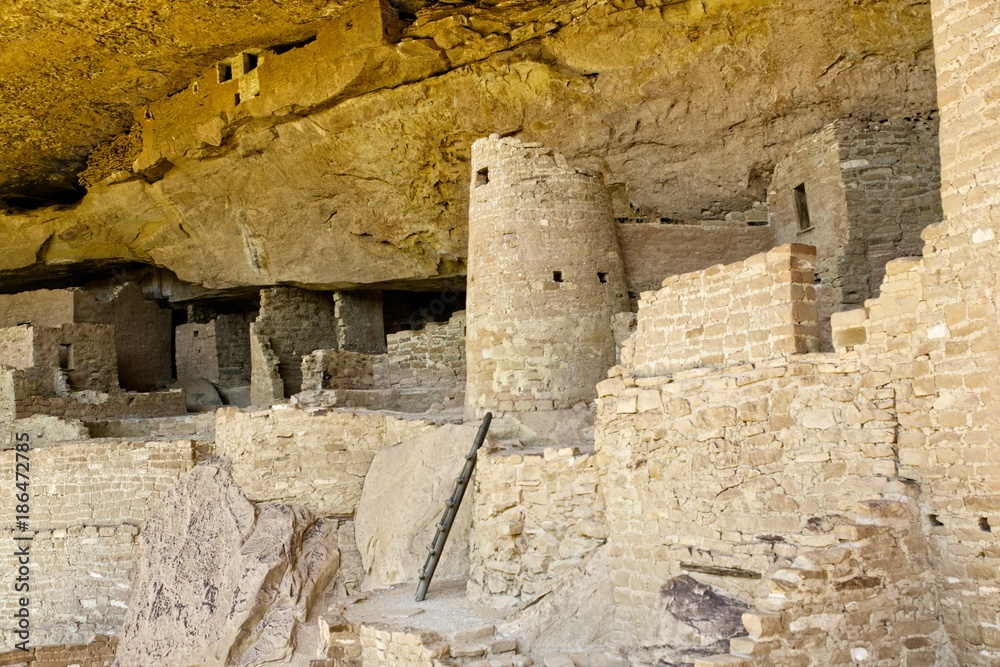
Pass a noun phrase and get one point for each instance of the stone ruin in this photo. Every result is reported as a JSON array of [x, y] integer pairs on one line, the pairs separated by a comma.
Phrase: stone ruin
[[779, 450]]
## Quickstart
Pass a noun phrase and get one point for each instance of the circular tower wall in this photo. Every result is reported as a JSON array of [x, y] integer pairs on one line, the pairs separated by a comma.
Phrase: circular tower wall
[[545, 277]]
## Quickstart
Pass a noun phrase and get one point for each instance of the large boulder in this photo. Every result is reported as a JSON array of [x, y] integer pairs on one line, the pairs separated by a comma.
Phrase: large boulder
[[224, 582], [402, 501]]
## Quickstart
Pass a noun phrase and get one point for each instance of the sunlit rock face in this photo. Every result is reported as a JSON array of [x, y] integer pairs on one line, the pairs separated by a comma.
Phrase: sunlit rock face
[[345, 161]]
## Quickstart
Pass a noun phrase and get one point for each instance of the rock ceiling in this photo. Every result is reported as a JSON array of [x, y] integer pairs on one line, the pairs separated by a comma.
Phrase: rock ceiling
[[685, 106]]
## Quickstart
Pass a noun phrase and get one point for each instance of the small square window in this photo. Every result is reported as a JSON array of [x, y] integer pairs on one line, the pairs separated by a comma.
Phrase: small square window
[[603, 277], [482, 176], [557, 276], [225, 72]]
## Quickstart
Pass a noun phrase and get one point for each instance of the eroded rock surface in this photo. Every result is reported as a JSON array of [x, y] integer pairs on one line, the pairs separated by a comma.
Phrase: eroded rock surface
[[225, 582], [370, 184], [402, 501]]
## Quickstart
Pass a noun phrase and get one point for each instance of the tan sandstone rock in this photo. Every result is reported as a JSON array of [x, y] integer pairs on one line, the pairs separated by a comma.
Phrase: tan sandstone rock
[[224, 582], [402, 501]]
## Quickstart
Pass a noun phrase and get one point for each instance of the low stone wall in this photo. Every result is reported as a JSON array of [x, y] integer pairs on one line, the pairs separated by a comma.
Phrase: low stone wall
[[759, 308], [80, 583], [197, 425], [315, 457], [730, 473], [338, 369], [98, 483], [431, 357], [536, 518], [382, 646]]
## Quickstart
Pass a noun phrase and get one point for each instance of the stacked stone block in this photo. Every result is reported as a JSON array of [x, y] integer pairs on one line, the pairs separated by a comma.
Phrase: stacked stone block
[[315, 457], [292, 323], [870, 188], [537, 517], [88, 503], [760, 308], [545, 276]]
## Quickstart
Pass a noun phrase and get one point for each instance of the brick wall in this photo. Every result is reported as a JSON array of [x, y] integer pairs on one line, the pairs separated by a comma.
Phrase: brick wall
[[537, 517], [545, 276], [756, 309]]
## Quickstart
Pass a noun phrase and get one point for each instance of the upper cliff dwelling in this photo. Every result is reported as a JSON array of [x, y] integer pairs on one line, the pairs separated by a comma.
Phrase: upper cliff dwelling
[[665, 330]]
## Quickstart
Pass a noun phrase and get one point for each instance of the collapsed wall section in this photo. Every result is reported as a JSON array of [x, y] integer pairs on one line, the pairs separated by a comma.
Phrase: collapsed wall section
[[292, 323], [545, 276]]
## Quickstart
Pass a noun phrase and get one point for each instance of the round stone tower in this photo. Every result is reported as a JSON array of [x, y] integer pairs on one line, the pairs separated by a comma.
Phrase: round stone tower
[[545, 276]]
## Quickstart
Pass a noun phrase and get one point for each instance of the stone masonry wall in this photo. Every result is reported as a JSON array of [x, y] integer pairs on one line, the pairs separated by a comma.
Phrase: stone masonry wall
[[871, 187], [85, 352], [17, 346], [537, 516], [338, 369], [196, 353], [88, 502], [292, 323], [99, 483], [315, 457], [652, 250], [360, 327], [81, 580], [734, 475], [752, 310], [433, 357], [545, 276]]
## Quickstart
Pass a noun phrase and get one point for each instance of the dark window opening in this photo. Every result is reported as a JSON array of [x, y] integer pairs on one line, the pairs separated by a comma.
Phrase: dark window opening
[[603, 277], [984, 525], [285, 48], [66, 356], [236, 99], [414, 310], [802, 208], [757, 223], [933, 520], [194, 87], [249, 62], [225, 72], [482, 176], [557, 276]]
